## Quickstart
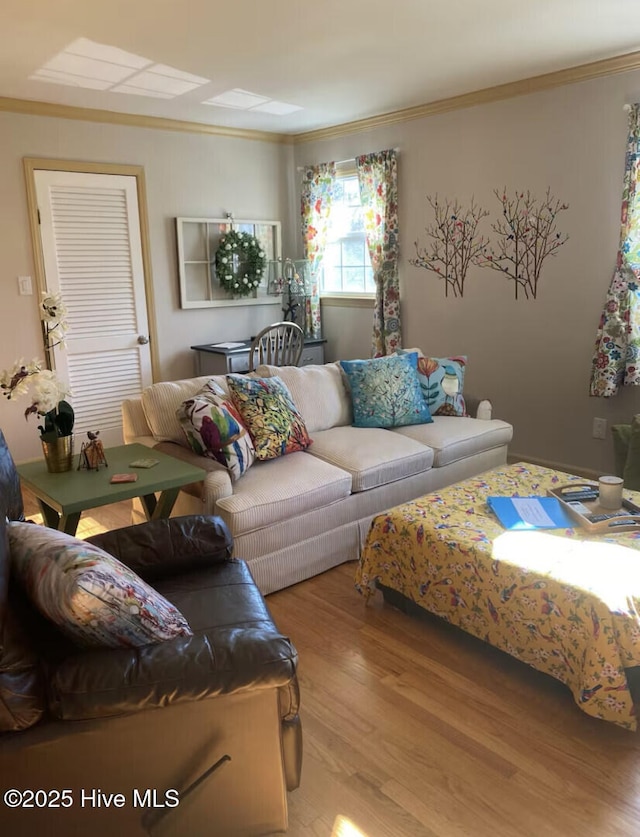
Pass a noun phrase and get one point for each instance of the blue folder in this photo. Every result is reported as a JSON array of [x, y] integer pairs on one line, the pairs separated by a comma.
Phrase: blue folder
[[542, 513]]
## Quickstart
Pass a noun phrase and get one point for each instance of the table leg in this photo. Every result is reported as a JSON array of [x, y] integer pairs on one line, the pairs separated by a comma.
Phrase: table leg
[[149, 504], [157, 508], [64, 523], [69, 523], [51, 516]]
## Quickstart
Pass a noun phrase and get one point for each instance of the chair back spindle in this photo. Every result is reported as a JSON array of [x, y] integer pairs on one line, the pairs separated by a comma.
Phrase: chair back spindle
[[279, 344]]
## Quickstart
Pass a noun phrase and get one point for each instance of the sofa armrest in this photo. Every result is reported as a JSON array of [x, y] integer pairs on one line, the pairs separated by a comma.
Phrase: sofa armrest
[[163, 548], [134, 423], [479, 408], [217, 483], [100, 683]]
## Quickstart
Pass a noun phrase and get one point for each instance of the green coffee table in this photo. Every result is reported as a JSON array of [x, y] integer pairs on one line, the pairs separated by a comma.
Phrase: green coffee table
[[63, 497]]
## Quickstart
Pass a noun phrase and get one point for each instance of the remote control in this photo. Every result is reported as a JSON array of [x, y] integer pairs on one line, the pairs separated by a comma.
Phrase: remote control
[[581, 494], [597, 518]]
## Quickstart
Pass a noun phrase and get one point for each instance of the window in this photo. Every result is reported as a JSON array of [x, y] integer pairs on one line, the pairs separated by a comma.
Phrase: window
[[346, 267]]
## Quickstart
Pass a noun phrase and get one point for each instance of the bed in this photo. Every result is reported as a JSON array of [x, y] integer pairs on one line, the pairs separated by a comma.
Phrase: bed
[[560, 600]]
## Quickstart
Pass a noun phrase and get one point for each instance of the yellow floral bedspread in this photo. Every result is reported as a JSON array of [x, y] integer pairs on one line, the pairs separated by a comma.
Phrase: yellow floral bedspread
[[560, 600]]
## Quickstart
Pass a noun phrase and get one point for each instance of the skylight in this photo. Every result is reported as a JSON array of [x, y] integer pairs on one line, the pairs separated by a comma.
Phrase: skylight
[[85, 63], [237, 98], [277, 108], [88, 64], [244, 100]]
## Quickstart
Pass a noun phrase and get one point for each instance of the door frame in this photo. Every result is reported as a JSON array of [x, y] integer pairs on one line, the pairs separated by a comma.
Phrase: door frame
[[33, 164]]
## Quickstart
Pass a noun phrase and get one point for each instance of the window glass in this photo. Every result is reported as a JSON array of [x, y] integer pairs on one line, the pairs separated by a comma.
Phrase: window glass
[[346, 267]]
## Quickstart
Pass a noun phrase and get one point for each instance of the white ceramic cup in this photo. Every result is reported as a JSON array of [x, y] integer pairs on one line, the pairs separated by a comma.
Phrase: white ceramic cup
[[610, 492]]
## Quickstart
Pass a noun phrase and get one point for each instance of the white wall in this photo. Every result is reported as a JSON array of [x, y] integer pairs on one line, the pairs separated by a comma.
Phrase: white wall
[[531, 358], [186, 175]]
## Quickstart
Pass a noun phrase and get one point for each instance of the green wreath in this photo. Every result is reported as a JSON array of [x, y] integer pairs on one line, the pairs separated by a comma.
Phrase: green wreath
[[242, 275]]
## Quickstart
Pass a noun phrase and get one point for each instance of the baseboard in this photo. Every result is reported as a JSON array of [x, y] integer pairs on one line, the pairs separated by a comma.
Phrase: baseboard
[[587, 473]]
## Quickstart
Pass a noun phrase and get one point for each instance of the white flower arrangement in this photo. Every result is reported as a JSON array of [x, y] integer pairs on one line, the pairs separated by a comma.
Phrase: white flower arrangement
[[53, 313], [46, 390]]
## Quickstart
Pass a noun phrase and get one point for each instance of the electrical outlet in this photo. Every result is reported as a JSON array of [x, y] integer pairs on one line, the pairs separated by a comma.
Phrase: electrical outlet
[[599, 428]]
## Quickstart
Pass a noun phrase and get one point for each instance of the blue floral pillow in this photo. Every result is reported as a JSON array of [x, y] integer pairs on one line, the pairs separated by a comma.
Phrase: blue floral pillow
[[442, 382], [386, 392]]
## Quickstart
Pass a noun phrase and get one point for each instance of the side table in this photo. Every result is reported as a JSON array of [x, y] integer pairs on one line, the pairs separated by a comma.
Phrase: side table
[[63, 497]]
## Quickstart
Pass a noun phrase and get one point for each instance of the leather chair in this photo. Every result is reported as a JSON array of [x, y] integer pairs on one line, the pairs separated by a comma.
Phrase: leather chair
[[151, 721]]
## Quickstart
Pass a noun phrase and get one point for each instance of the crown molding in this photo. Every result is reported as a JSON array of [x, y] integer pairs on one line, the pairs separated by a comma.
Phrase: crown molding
[[34, 108], [572, 75]]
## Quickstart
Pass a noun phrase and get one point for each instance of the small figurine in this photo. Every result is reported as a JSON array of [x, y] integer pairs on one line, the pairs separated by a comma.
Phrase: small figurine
[[92, 454]]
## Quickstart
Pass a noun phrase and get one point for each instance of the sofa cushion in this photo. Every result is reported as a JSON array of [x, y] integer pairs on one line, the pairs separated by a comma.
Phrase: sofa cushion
[[385, 391], [160, 402], [213, 428], [281, 489], [454, 438], [371, 455], [442, 383], [319, 393], [267, 409], [87, 593]]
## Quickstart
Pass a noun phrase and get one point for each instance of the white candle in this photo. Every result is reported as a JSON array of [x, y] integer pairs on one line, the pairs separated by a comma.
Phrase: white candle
[[611, 492]]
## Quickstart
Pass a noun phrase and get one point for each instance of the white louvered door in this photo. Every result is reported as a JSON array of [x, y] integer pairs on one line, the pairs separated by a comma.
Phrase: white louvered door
[[90, 232]]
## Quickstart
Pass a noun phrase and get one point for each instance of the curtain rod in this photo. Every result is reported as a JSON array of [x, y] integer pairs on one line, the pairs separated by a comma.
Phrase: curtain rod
[[342, 162]]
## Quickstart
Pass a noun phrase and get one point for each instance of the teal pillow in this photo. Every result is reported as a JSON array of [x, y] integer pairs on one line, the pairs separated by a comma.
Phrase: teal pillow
[[385, 391]]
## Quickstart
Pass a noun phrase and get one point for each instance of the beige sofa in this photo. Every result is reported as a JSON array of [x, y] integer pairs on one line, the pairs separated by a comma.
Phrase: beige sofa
[[298, 515]]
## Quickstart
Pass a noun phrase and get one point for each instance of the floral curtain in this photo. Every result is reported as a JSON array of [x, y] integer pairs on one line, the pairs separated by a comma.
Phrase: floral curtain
[[317, 195], [616, 360], [378, 180]]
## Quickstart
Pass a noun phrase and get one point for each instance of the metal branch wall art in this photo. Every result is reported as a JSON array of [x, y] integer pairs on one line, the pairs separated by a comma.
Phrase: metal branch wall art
[[526, 235], [454, 243]]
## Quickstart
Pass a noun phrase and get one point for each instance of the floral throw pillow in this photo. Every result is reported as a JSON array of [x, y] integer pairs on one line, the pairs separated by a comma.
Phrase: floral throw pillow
[[214, 428], [267, 409], [385, 391], [87, 593], [442, 381]]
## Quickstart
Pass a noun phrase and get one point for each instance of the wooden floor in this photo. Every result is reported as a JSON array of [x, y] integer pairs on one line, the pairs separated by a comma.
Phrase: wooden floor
[[413, 728]]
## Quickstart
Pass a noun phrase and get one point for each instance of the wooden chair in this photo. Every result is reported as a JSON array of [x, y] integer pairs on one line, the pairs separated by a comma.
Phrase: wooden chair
[[279, 344]]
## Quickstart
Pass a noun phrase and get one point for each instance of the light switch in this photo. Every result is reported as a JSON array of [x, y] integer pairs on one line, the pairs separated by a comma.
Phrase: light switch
[[24, 286]]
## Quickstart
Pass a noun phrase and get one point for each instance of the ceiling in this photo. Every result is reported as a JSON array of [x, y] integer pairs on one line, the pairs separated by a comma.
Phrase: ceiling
[[335, 60]]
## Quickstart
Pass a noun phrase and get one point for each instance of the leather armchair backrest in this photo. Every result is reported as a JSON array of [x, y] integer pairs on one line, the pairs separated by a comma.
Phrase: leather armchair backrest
[[4, 575], [10, 495], [22, 701], [11, 507]]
